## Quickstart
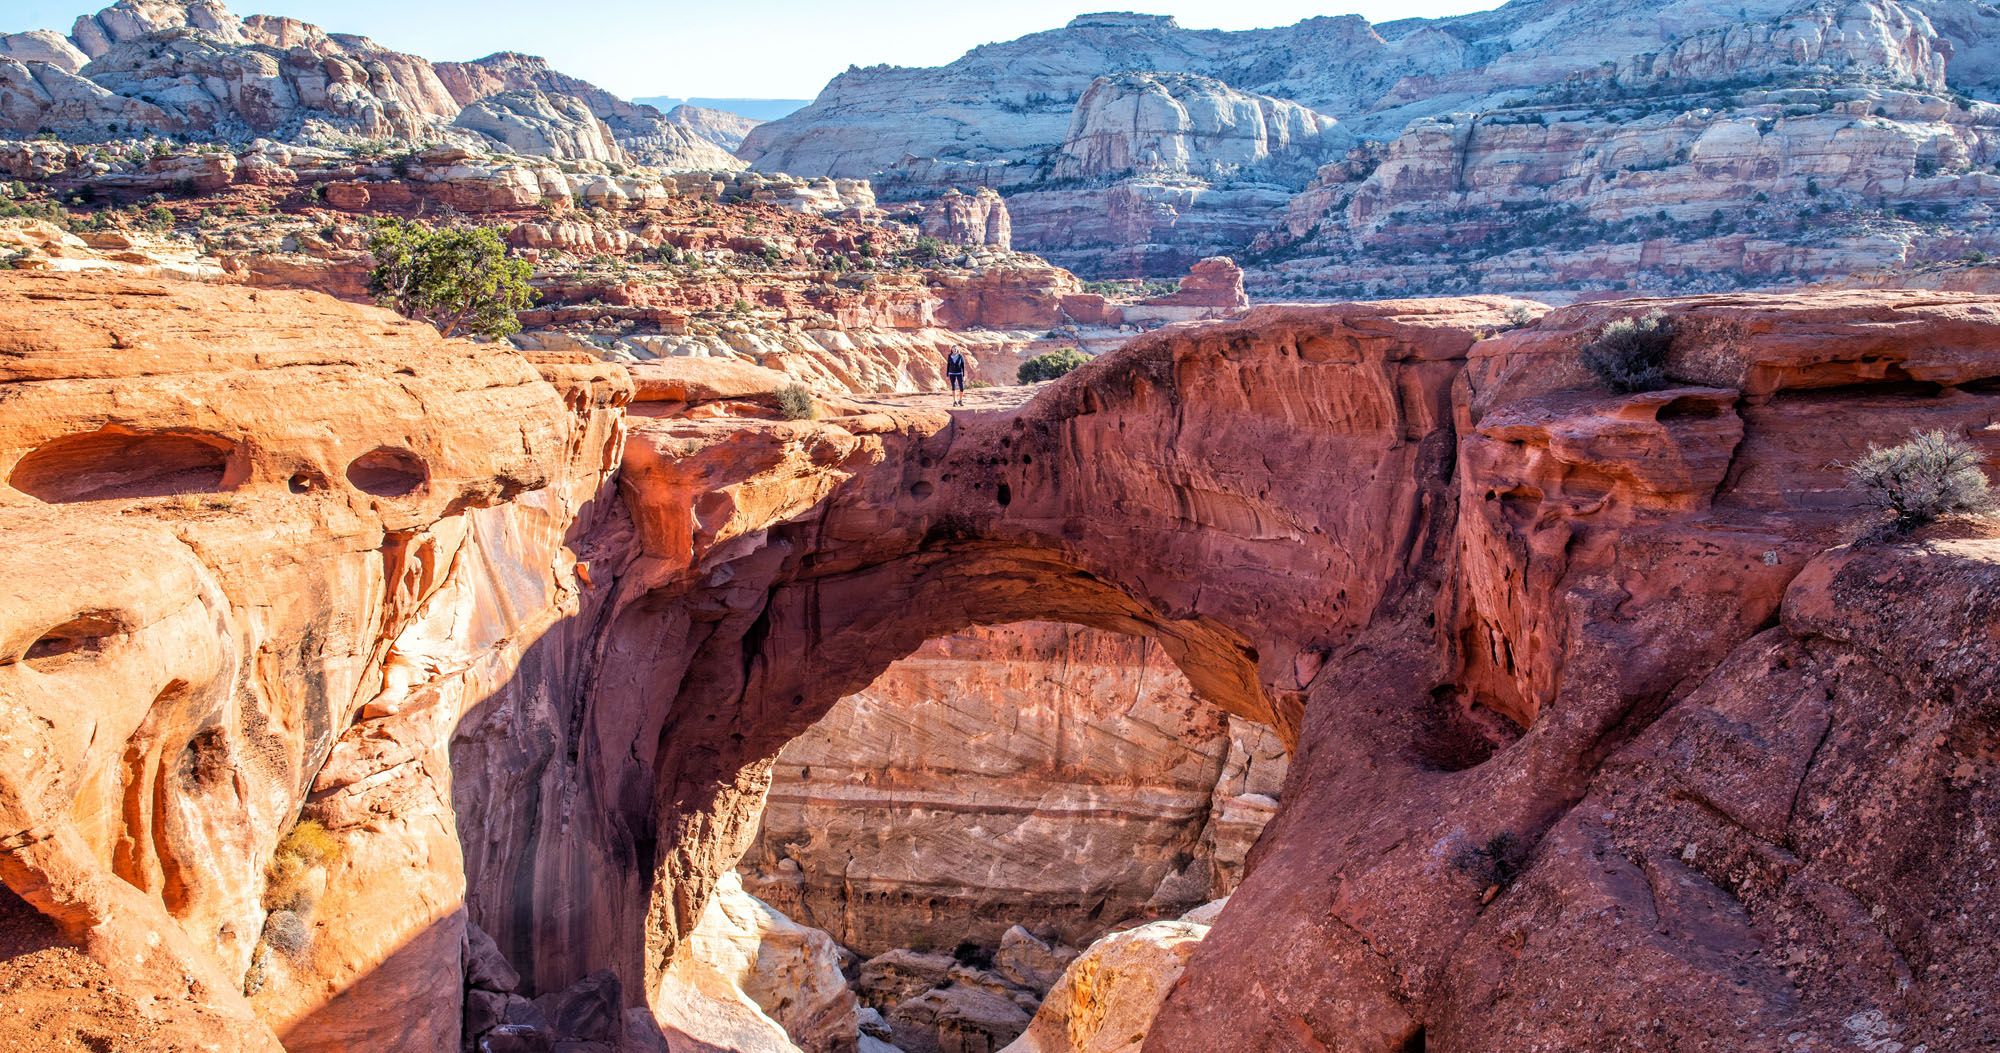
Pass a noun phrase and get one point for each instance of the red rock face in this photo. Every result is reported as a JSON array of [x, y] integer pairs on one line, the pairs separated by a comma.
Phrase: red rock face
[[1214, 282], [1600, 739]]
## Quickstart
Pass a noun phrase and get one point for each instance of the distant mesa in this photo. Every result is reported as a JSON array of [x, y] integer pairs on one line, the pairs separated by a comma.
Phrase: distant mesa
[[755, 109]]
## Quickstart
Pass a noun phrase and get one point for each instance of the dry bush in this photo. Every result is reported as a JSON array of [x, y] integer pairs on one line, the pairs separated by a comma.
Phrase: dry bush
[[1630, 354], [1932, 474], [286, 932], [306, 847], [795, 402]]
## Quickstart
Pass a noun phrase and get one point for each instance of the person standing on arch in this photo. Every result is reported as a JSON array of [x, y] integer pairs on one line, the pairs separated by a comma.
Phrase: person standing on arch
[[954, 373]]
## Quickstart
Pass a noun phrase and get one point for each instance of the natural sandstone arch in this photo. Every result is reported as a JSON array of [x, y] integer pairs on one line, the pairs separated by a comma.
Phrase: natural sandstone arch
[[1749, 786], [1246, 495], [1296, 503]]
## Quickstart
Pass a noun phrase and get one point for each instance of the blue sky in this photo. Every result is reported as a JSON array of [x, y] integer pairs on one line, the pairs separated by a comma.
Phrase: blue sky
[[771, 48]]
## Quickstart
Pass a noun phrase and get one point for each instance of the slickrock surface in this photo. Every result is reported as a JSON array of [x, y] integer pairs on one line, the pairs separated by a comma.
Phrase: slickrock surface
[[1034, 774], [1601, 737]]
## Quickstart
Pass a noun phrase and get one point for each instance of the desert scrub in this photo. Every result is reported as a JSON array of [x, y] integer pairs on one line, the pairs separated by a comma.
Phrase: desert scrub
[[285, 931], [795, 402], [1630, 354], [1931, 475], [1050, 366], [308, 847], [290, 894]]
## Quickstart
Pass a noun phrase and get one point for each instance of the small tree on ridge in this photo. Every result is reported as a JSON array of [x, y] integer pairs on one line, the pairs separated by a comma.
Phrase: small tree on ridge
[[458, 278]]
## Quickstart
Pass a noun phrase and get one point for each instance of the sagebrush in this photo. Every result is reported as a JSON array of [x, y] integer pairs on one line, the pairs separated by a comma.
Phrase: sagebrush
[[795, 402], [1630, 354], [1932, 474], [1050, 366]]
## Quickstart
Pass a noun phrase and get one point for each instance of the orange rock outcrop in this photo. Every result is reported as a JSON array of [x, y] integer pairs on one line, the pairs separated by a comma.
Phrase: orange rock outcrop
[[1602, 734]]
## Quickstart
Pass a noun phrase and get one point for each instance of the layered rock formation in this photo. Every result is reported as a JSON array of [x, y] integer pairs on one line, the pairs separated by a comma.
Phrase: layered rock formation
[[807, 277], [968, 219], [640, 133], [1664, 145], [1023, 775], [192, 68], [333, 641], [196, 69], [721, 127]]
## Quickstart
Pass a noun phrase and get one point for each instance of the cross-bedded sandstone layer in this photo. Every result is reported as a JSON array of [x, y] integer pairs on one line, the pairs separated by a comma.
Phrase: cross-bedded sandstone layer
[[1600, 736]]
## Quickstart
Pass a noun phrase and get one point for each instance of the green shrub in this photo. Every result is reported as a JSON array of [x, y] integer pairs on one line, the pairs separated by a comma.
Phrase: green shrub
[[1630, 354], [1917, 481], [460, 279], [1050, 366], [795, 402]]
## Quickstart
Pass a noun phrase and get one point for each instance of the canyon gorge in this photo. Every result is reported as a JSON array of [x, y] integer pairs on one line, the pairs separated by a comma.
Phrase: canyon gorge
[[1332, 658]]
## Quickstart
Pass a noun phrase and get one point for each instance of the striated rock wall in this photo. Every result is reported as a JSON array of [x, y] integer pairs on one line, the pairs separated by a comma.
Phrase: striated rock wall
[[1184, 124], [1071, 772], [979, 218]]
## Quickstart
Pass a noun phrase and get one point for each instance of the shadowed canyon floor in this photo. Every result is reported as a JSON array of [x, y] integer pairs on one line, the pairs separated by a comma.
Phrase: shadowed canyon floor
[[363, 679]]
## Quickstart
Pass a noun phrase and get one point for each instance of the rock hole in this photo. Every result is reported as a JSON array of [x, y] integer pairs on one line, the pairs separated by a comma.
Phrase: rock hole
[[205, 761], [921, 490], [306, 482], [1690, 409], [116, 463], [80, 637], [1027, 459], [1459, 731], [386, 471], [1004, 495]]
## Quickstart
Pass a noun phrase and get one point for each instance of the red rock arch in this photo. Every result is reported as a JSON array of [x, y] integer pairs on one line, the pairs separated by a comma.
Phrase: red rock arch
[[1201, 489]]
